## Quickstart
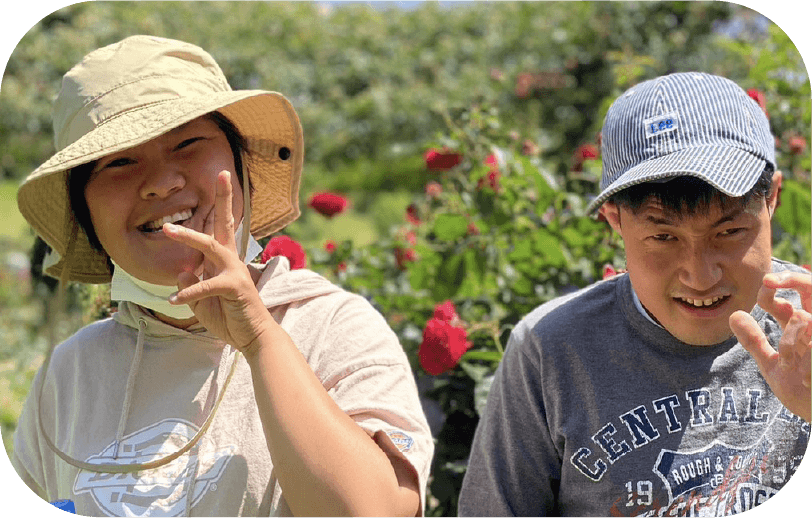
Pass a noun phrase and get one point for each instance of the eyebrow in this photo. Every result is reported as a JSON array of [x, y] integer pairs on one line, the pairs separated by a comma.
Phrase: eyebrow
[[669, 221]]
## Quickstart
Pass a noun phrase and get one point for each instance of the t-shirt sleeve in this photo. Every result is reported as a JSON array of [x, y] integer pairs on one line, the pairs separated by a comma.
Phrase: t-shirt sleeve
[[514, 468], [373, 383]]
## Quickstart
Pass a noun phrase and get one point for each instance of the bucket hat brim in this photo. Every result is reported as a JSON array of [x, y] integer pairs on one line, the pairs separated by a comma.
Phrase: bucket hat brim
[[266, 120]]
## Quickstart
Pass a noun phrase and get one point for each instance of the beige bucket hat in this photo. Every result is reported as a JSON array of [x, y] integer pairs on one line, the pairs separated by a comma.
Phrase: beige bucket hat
[[130, 92]]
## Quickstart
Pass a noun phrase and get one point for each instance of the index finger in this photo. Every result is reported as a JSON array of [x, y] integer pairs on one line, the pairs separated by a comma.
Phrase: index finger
[[800, 282], [224, 227]]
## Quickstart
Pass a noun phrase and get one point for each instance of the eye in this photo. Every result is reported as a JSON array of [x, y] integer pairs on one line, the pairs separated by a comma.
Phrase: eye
[[188, 142], [118, 162], [732, 231], [663, 237]]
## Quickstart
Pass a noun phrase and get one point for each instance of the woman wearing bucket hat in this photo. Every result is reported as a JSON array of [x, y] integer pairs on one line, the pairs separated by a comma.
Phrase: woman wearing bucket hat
[[219, 387]]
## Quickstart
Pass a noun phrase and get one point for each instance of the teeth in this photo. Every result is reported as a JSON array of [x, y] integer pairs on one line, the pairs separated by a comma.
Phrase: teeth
[[701, 302], [174, 218]]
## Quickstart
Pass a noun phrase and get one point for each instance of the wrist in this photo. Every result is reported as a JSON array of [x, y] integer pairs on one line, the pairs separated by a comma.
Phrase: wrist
[[263, 338]]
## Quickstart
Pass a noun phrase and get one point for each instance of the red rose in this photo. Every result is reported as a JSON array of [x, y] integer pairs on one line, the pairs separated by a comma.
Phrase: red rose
[[582, 154], [446, 311], [330, 246], [759, 97], [491, 179], [433, 189], [587, 152], [529, 148], [797, 145], [342, 267], [328, 204], [411, 214], [473, 230], [609, 271], [524, 84], [492, 161], [442, 347], [441, 160], [403, 256], [285, 246]]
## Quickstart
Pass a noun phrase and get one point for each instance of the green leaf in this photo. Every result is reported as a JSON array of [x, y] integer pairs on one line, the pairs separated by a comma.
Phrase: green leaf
[[450, 277], [547, 246], [450, 227], [794, 212], [475, 372], [488, 356]]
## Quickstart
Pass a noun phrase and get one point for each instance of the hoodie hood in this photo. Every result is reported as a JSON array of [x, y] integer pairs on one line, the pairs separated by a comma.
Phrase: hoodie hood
[[278, 286]]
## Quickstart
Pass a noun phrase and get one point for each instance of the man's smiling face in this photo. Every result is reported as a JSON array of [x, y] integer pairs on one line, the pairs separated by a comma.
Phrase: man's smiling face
[[692, 271]]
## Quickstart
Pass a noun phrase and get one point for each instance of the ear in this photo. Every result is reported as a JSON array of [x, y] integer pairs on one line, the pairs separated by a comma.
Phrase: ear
[[775, 190], [611, 212]]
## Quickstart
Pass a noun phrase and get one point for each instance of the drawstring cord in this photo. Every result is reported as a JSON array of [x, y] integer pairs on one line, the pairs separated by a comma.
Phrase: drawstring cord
[[132, 467], [111, 467], [125, 408]]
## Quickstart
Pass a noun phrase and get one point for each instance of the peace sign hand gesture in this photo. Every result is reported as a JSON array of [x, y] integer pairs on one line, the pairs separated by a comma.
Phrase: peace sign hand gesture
[[787, 370], [225, 299]]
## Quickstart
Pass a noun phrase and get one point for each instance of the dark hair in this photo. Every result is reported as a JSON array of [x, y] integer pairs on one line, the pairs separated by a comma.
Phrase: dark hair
[[688, 194], [78, 177]]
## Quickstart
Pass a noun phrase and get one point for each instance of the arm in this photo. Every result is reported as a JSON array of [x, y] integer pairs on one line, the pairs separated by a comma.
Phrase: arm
[[787, 370], [325, 463]]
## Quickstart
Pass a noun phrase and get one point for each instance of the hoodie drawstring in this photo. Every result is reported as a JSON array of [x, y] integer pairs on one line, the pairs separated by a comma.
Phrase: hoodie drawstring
[[132, 467], [128, 392]]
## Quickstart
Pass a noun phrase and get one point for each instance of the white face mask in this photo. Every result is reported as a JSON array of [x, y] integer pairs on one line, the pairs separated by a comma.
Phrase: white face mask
[[154, 296]]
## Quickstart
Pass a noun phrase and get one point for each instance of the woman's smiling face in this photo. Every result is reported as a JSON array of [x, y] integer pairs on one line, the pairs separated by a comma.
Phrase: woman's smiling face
[[170, 178]]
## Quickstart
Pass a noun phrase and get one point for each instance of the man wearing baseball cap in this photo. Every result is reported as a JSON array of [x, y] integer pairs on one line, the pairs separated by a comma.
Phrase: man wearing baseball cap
[[683, 386]]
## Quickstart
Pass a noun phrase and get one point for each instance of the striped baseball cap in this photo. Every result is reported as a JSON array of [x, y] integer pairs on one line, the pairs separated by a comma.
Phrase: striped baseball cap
[[685, 124]]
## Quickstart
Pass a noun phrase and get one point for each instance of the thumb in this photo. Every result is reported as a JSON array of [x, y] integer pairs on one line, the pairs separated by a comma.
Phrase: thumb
[[186, 279], [752, 338]]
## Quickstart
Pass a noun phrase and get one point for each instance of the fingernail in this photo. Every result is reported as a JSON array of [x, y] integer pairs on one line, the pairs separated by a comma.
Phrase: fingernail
[[173, 298]]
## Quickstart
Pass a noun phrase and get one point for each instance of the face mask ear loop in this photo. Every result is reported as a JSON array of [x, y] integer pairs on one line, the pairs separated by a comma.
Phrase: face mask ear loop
[[246, 207]]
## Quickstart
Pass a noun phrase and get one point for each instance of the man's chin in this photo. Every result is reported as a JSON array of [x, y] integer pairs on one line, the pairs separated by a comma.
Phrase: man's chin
[[703, 339]]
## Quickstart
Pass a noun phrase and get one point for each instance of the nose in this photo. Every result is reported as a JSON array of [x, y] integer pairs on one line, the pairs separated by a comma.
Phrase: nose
[[162, 180], [701, 267]]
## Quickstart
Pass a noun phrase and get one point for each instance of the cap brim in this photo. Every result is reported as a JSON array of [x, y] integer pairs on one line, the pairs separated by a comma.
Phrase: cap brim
[[731, 170]]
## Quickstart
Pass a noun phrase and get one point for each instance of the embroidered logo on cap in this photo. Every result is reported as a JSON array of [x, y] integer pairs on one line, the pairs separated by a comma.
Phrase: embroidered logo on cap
[[661, 124]]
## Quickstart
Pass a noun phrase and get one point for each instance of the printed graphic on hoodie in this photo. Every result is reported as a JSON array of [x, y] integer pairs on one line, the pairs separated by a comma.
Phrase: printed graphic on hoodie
[[163, 490]]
